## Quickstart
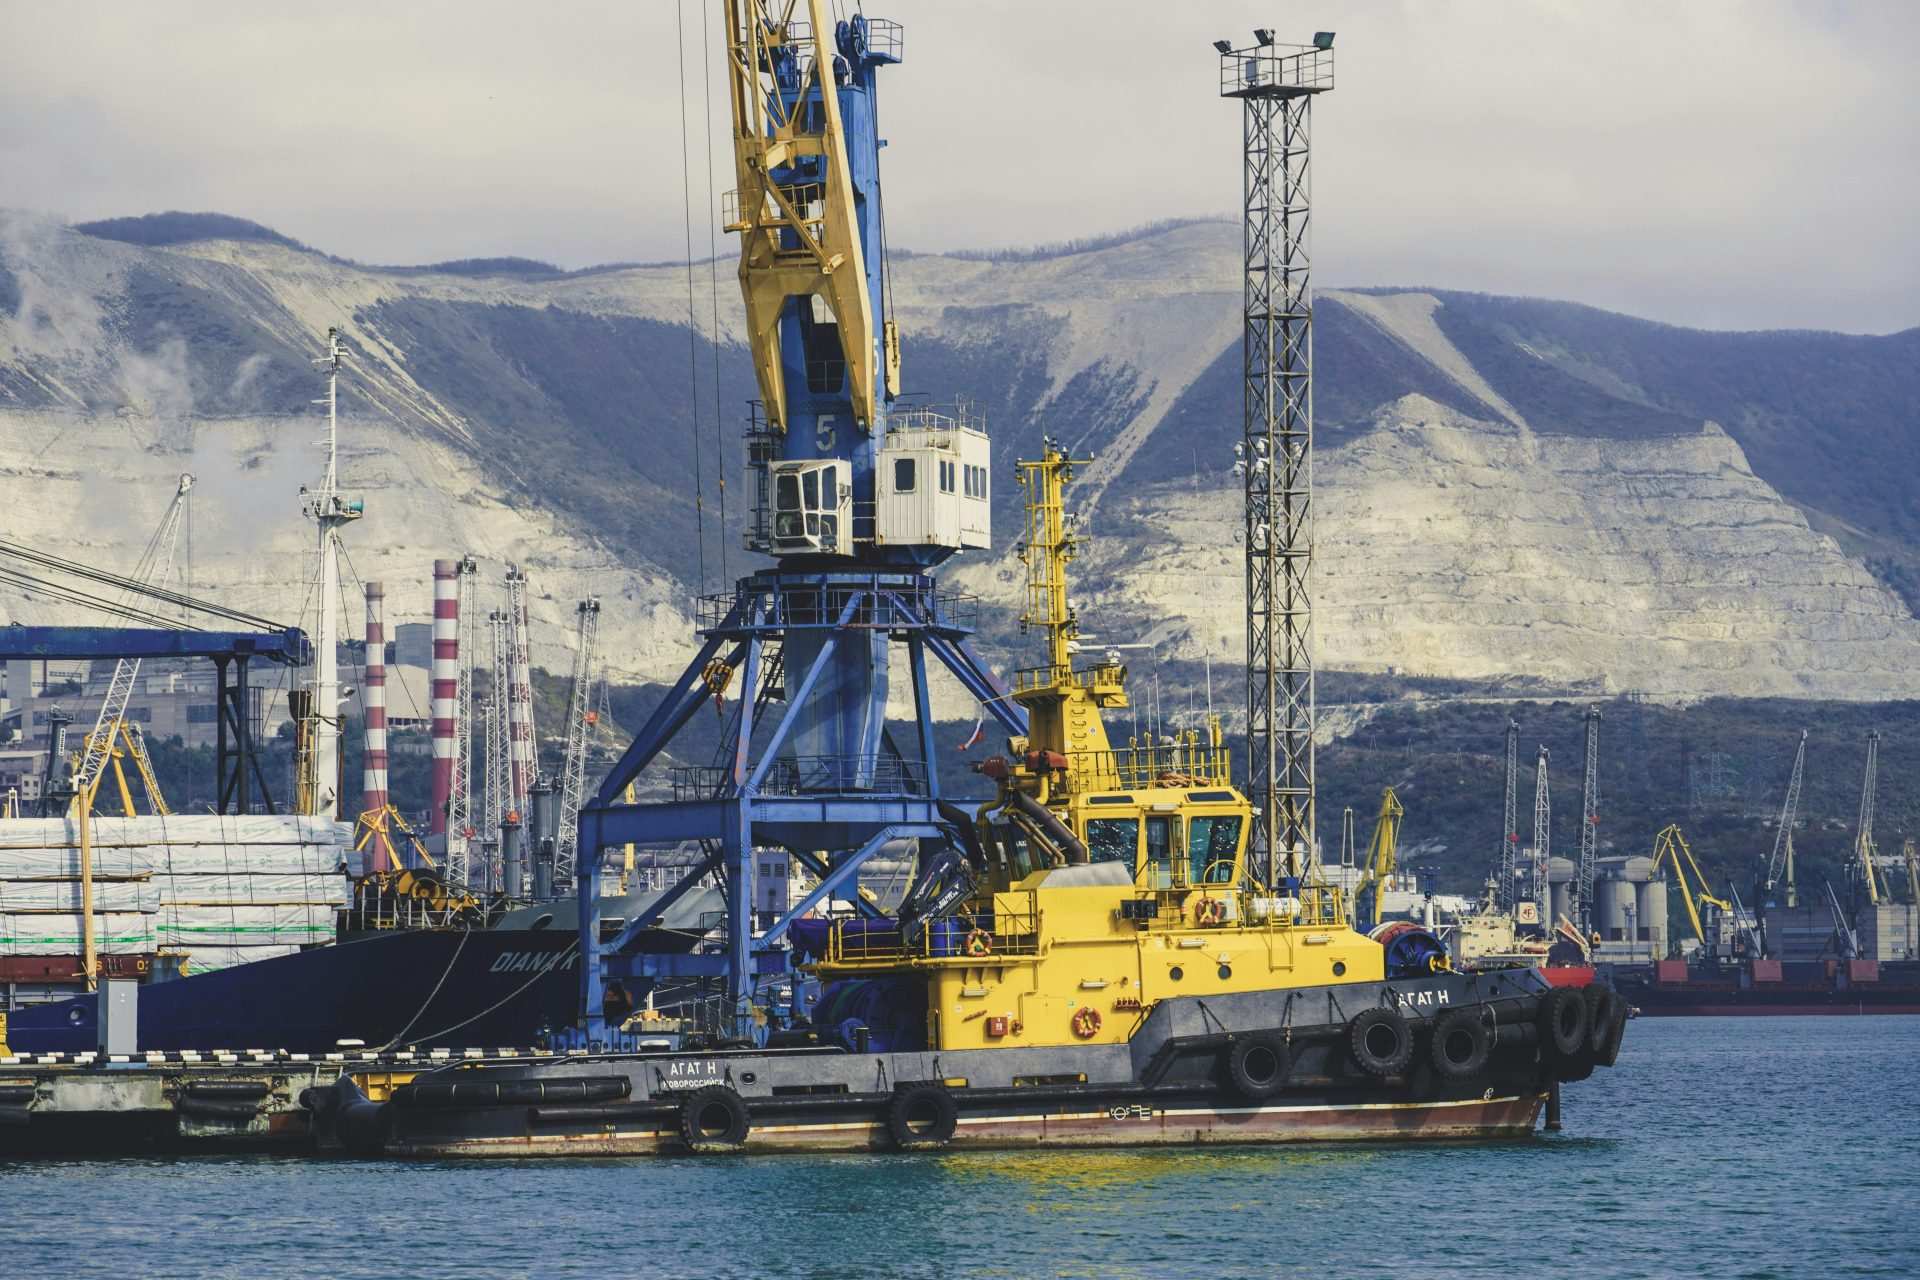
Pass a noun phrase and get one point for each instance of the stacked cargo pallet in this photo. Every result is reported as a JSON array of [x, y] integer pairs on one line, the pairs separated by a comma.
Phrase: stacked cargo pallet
[[223, 889]]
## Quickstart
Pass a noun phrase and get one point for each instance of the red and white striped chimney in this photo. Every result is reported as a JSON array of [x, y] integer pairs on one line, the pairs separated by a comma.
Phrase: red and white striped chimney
[[373, 702], [446, 684]]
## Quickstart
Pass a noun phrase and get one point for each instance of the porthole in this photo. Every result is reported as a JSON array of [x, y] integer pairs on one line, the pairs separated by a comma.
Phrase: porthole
[[1176, 973], [1339, 968], [1226, 971]]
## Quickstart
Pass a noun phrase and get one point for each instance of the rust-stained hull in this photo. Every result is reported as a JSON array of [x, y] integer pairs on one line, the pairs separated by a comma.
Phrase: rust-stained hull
[[1120, 1125]]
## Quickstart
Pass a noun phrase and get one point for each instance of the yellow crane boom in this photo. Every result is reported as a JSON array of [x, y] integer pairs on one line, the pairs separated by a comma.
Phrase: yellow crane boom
[[1670, 847]]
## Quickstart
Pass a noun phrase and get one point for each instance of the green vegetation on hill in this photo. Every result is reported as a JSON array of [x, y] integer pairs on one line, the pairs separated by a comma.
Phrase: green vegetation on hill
[[177, 227]]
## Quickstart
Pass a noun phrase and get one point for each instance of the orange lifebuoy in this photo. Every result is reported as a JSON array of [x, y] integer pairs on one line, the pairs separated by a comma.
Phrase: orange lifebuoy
[[1086, 1023], [978, 943], [1210, 911]]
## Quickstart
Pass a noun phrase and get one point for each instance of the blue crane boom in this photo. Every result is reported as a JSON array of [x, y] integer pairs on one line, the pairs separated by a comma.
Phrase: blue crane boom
[[289, 647]]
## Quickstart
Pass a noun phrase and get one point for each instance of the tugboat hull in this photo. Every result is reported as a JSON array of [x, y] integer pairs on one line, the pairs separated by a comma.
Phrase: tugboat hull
[[1381, 1062]]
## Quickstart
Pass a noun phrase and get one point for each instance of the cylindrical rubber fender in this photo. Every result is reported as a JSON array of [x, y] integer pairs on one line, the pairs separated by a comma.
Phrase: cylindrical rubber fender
[[217, 1108], [512, 1093], [1381, 1041], [227, 1089], [1563, 1022], [15, 1115], [16, 1095], [1516, 1035], [1461, 1044], [922, 1117], [1258, 1066], [714, 1119], [1600, 1000]]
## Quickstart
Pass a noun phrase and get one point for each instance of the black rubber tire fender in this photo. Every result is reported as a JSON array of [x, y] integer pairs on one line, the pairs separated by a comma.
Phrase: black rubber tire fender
[[1461, 1045], [1609, 1052], [922, 1117], [1258, 1065], [714, 1118], [1563, 1022], [1600, 1000], [1381, 1041]]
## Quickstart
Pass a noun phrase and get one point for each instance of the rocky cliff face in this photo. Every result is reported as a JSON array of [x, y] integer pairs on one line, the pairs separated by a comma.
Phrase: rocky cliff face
[[1504, 486], [1450, 546]]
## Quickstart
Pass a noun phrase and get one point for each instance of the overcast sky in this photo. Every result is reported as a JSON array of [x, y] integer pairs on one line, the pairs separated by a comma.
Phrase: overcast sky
[[1735, 165]]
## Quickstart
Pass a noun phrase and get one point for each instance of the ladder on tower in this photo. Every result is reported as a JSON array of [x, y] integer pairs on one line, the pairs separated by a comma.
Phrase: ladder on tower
[[1582, 911]]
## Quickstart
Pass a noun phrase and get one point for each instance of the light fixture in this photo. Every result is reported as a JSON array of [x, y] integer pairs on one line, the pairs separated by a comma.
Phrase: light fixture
[[1323, 40], [1263, 34], [1223, 46]]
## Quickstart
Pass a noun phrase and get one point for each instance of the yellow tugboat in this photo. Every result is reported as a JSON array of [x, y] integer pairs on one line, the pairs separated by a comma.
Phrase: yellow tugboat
[[1101, 967]]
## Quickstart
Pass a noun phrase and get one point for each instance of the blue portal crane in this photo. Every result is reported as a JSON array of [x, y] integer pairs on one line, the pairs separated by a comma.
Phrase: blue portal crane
[[858, 496]]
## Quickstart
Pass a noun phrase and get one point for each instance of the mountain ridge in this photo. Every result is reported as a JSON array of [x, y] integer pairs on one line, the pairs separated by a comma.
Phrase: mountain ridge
[[568, 407]]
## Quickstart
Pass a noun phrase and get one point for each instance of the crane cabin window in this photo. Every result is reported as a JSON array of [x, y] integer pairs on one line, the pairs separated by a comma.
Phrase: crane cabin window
[[946, 477], [903, 475], [786, 506]]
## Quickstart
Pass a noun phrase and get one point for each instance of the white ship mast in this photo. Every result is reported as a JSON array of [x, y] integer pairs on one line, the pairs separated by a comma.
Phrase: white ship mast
[[328, 511]]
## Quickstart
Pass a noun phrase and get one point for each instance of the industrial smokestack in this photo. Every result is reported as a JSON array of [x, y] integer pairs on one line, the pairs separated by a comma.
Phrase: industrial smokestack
[[446, 685], [373, 701]]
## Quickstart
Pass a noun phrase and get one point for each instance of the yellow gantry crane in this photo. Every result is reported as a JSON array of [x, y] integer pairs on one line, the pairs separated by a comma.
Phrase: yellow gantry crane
[[1383, 854], [794, 208], [1670, 848]]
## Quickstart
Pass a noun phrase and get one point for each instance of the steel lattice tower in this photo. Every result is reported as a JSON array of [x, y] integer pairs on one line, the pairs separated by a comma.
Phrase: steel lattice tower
[[1582, 912], [573, 766], [1537, 864], [460, 816], [1508, 863], [1276, 85]]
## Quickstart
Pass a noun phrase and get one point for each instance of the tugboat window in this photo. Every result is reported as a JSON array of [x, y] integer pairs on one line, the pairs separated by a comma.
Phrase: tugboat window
[[1213, 841], [903, 475], [1160, 846], [1113, 840]]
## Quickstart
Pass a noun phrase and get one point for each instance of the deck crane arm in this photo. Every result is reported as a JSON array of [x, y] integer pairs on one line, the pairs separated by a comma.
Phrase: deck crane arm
[[1670, 849], [1383, 853], [1782, 859], [795, 206], [581, 718], [1909, 855], [155, 566], [1864, 853]]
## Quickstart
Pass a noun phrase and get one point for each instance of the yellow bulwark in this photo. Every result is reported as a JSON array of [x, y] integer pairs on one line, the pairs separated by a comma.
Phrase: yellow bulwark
[[824, 258], [1117, 875]]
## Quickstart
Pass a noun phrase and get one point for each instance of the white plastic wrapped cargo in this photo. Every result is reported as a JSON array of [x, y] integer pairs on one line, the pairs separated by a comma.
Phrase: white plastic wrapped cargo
[[28, 934], [227, 888], [63, 896], [268, 925]]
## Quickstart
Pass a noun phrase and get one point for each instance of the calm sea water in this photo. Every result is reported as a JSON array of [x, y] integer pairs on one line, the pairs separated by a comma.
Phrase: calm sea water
[[1718, 1147]]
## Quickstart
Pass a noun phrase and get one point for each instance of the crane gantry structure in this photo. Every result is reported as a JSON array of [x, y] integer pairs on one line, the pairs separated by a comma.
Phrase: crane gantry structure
[[1276, 85], [858, 499], [581, 715]]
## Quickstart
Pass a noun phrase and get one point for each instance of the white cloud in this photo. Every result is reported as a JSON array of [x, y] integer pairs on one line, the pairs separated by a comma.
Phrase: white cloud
[[1720, 163]]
